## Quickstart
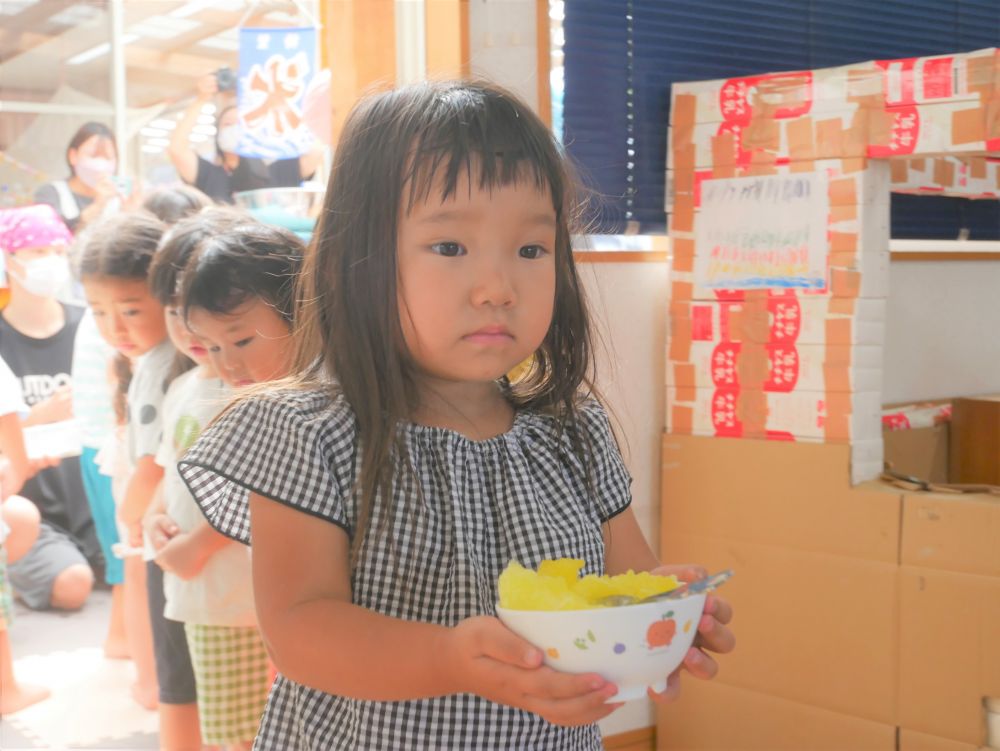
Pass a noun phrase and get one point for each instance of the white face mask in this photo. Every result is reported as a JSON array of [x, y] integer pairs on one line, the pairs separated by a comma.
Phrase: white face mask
[[45, 277], [229, 138], [90, 170]]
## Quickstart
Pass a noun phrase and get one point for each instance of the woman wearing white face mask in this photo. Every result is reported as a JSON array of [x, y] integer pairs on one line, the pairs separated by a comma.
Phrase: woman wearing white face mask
[[228, 172], [37, 332], [92, 156]]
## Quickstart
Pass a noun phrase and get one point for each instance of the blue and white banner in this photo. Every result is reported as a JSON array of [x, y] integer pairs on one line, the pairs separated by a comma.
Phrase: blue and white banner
[[276, 68]]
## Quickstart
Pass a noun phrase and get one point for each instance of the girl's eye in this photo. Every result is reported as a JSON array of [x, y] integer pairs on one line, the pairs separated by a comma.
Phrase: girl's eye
[[214, 348], [130, 313], [244, 342], [532, 251], [448, 249]]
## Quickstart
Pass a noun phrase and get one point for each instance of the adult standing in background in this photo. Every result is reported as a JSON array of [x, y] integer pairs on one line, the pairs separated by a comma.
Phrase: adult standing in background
[[228, 172], [92, 156]]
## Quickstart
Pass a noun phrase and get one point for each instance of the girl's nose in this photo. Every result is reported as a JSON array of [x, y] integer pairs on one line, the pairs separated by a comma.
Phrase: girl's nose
[[494, 286], [117, 325]]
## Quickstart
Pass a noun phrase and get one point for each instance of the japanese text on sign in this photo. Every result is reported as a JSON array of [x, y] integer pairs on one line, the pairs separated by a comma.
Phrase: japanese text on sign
[[763, 232]]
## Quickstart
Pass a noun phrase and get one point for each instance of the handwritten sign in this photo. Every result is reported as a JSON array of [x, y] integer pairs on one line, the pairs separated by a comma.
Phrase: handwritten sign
[[763, 232], [276, 67]]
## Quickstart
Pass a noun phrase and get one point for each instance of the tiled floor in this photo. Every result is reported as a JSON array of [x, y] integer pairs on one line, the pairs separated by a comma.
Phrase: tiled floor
[[90, 706]]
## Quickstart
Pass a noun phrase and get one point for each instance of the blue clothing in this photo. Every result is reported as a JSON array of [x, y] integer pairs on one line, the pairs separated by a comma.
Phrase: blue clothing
[[102, 509]]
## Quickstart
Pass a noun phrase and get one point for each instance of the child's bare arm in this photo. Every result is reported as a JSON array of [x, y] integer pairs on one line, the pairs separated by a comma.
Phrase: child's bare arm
[[625, 546], [317, 637], [187, 553], [139, 492], [157, 526]]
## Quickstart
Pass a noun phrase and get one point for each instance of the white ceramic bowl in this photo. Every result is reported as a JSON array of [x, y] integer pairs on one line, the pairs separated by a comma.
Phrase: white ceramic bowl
[[632, 646]]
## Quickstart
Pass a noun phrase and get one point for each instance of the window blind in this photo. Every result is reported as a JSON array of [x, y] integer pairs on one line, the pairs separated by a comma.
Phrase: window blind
[[622, 56]]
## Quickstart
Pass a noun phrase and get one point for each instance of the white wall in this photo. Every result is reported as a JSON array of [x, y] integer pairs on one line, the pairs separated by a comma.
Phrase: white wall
[[630, 299], [942, 330], [502, 45]]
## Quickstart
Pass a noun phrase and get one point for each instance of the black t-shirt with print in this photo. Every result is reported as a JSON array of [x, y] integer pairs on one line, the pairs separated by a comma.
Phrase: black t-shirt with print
[[43, 365]]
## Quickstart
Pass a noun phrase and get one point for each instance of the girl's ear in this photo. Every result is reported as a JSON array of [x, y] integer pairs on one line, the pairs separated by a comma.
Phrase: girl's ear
[[73, 156]]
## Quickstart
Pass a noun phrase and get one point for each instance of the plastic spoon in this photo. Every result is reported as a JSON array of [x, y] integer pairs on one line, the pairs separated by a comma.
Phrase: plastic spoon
[[705, 584]]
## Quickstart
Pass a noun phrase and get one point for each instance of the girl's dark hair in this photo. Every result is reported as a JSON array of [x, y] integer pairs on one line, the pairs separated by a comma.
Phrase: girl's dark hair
[[179, 245], [396, 148], [122, 246], [182, 242], [170, 205], [249, 260], [84, 133]]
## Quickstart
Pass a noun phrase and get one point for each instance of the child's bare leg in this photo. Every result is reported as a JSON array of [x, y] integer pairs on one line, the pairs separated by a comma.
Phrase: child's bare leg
[[179, 729], [116, 644], [14, 696], [23, 519], [140, 635]]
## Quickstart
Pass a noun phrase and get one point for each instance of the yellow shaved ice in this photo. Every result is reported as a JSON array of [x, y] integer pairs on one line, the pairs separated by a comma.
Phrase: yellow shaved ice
[[557, 586]]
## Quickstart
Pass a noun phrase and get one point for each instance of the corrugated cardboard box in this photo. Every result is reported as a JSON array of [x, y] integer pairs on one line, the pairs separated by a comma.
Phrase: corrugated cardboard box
[[713, 716], [732, 412], [807, 551], [919, 452], [911, 740], [781, 318], [789, 367], [797, 496], [815, 628], [949, 652], [975, 440], [950, 613]]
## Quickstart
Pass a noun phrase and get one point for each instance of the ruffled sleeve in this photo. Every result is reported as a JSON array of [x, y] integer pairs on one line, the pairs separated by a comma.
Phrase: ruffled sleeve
[[612, 481], [294, 447]]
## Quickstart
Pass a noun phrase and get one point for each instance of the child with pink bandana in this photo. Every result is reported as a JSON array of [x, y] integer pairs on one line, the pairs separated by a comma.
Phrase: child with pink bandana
[[37, 333]]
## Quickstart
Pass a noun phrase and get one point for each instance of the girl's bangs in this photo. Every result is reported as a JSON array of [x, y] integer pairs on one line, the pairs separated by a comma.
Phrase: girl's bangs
[[484, 139]]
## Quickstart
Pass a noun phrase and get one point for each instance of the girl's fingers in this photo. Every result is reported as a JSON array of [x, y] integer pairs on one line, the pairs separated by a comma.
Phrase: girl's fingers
[[552, 684], [714, 636], [670, 693], [501, 644], [719, 607], [699, 664], [580, 710], [687, 572]]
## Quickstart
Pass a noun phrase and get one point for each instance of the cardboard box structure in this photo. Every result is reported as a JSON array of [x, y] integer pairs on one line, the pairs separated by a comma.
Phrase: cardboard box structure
[[778, 194], [975, 457], [868, 617], [863, 609]]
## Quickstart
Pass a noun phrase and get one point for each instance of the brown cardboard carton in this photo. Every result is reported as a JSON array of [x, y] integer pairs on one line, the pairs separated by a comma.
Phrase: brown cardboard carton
[[975, 440], [949, 652], [713, 716], [814, 628], [919, 452], [959, 533], [794, 495], [911, 740]]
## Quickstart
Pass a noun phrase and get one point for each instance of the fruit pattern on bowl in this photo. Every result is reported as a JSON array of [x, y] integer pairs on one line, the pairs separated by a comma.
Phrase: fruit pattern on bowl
[[659, 636]]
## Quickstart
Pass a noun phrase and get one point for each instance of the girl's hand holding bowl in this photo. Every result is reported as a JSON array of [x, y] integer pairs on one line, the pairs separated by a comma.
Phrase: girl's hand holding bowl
[[713, 634], [636, 647]]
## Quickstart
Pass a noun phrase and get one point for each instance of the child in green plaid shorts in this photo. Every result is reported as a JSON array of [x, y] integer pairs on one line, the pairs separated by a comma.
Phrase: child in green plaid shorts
[[207, 581]]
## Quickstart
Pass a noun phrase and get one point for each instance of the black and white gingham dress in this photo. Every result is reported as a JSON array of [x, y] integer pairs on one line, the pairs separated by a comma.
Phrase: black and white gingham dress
[[520, 496]]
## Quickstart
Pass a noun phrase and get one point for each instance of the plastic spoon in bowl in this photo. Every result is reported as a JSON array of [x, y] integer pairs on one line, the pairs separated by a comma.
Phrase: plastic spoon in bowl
[[705, 584]]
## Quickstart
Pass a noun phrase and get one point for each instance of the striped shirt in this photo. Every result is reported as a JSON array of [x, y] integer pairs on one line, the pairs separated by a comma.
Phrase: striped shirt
[[468, 509]]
